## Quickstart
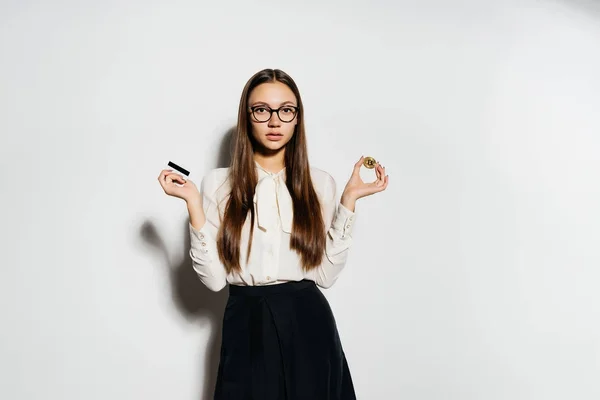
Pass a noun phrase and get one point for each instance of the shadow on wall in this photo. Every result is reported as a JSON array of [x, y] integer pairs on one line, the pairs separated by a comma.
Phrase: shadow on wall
[[191, 298]]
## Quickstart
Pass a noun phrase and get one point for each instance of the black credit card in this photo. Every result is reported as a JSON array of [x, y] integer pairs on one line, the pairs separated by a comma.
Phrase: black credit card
[[178, 168]]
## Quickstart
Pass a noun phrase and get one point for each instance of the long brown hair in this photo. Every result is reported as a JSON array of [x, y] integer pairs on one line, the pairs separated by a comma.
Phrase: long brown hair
[[308, 230]]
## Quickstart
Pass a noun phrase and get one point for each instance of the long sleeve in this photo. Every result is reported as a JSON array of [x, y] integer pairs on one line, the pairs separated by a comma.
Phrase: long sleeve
[[203, 250], [339, 222]]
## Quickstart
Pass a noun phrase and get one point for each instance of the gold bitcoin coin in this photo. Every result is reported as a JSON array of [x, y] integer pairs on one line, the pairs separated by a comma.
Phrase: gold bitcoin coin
[[369, 162]]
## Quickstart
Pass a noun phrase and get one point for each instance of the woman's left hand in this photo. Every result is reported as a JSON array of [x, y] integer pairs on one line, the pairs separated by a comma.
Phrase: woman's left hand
[[357, 188]]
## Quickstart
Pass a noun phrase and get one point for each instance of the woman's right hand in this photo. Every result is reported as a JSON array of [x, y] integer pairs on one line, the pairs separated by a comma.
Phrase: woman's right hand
[[168, 179]]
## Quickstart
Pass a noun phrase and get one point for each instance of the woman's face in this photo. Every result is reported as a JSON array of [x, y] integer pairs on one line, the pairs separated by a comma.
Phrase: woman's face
[[273, 134]]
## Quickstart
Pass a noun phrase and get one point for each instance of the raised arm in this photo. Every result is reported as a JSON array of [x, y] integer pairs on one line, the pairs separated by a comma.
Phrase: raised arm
[[339, 221], [204, 225]]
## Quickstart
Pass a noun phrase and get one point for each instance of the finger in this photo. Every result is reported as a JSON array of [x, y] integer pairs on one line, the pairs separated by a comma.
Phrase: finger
[[163, 173], [381, 186], [380, 176], [358, 164], [175, 177], [162, 179], [387, 181]]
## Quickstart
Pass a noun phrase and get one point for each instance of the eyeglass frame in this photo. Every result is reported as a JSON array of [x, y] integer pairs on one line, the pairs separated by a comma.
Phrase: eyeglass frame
[[273, 110]]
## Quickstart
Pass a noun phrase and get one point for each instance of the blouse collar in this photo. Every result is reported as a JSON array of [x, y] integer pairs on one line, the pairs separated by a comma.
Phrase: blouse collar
[[272, 200], [260, 168]]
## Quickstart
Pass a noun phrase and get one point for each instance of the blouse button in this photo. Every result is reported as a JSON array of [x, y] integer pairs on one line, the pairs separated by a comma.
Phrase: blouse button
[[268, 278], [203, 244]]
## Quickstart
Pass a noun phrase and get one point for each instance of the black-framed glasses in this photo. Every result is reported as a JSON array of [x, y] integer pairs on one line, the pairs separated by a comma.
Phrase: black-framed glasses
[[264, 113]]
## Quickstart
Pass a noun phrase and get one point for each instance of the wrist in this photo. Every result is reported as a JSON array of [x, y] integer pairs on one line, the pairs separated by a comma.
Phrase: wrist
[[194, 202], [196, 212], [348, 201]]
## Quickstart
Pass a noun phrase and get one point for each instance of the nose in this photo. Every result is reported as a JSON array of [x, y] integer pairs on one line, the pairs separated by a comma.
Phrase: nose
[[274, 121]]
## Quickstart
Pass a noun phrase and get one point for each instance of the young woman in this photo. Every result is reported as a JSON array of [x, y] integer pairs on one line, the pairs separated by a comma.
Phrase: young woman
[[270, 226]]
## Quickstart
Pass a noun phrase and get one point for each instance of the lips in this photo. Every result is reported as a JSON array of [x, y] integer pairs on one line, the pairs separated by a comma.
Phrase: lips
[[274, 137]]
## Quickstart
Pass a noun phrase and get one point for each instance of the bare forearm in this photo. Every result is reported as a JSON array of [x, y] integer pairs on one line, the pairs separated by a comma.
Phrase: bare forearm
[[197, 217]]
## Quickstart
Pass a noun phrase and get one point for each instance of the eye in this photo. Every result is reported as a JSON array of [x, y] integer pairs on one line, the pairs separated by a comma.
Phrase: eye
[[288, 110], [260, 109]]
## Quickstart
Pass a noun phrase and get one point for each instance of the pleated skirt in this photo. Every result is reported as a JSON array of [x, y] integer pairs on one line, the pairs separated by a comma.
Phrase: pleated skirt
[[280, 342]]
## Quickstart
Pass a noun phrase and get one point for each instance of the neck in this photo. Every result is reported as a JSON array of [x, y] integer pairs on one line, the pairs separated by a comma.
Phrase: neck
[[271, 162]]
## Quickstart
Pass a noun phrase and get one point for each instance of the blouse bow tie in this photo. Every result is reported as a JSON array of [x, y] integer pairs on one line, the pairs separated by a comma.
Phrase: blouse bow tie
[[272, 201]]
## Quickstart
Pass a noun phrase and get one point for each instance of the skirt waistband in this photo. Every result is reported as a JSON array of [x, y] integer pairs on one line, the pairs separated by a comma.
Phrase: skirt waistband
[[287, 287]]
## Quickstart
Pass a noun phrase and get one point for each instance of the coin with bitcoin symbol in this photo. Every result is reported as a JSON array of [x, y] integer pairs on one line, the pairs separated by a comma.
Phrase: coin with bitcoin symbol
[[369, 162]]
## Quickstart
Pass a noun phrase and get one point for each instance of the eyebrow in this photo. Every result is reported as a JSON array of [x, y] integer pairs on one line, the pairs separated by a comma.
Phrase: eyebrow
[[267, 104]]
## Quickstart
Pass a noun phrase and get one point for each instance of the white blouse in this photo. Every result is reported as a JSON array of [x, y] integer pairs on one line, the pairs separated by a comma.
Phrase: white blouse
[[271, 259]]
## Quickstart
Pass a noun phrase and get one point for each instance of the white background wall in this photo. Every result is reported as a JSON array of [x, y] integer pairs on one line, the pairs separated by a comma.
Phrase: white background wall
[[474, 276]]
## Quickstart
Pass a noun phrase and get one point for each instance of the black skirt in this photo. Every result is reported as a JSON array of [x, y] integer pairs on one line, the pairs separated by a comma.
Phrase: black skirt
[[280, 342]]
